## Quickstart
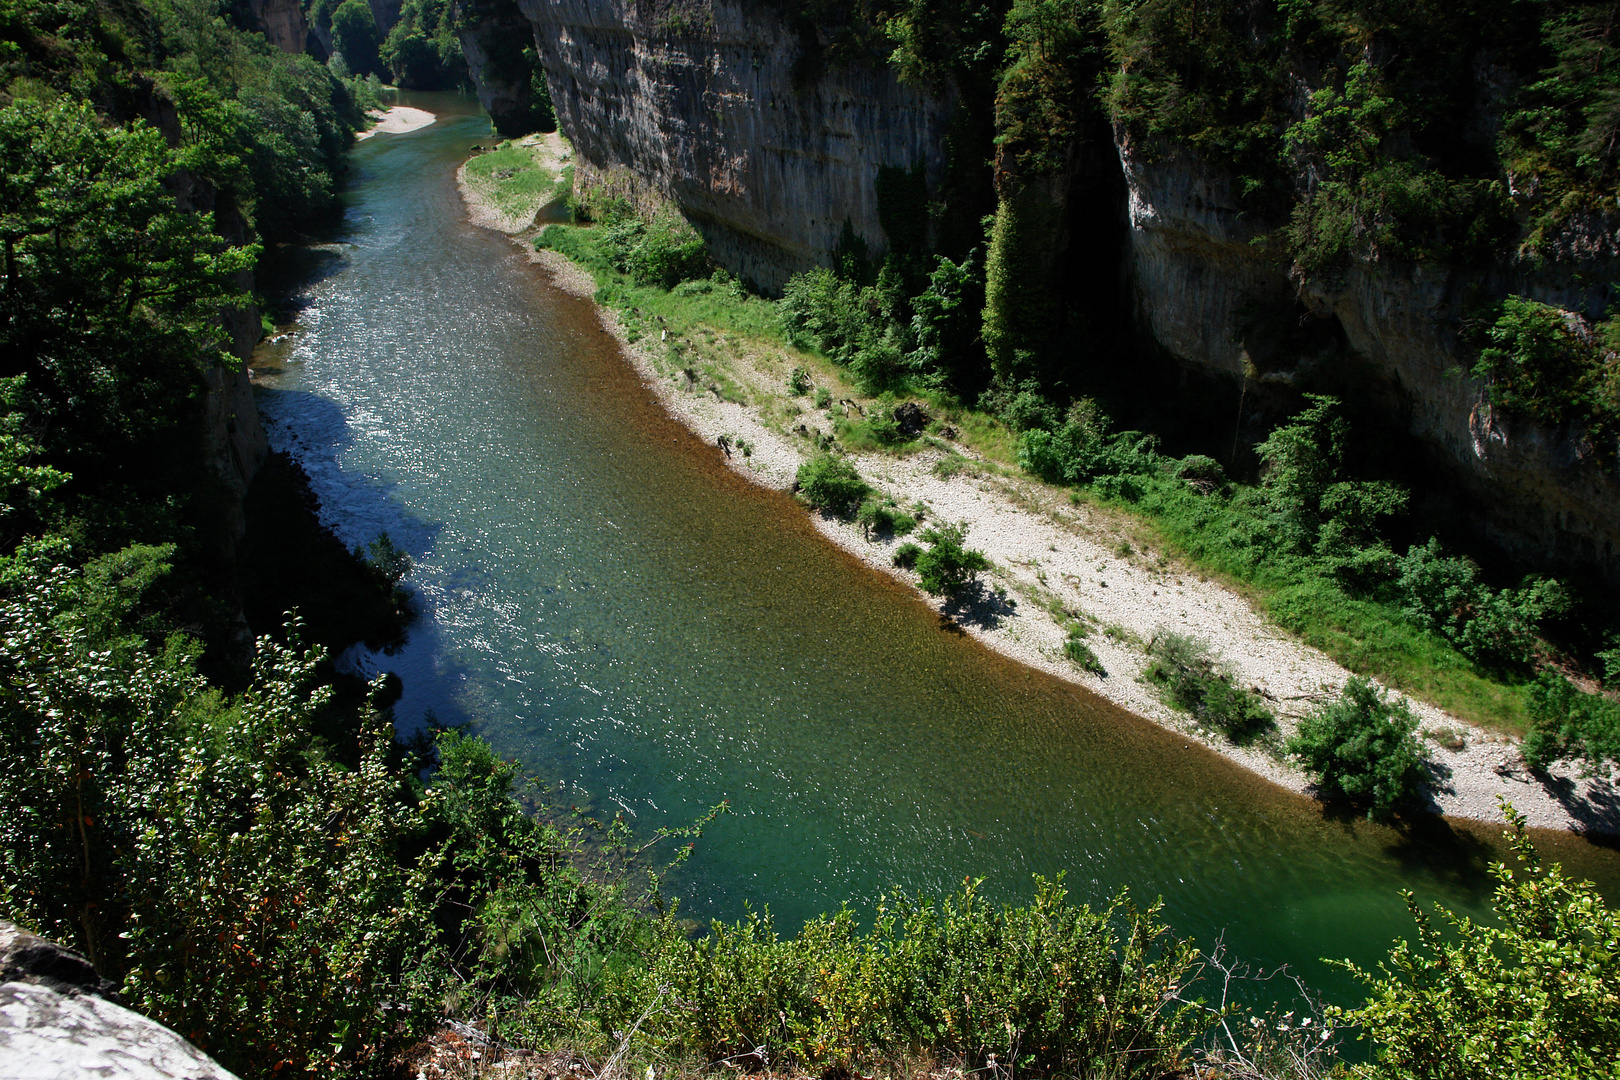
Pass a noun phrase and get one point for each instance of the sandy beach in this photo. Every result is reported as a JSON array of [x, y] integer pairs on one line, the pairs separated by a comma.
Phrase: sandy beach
[[397, 121], [1087, 563]]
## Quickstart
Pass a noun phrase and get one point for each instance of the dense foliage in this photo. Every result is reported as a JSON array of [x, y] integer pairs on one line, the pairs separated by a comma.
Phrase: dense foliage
[[1363, 748], [110, 303], [1566, 723], [222, 839], [241, 889], [1530, 998], [125, 243], [1555, 367], [422, 49]]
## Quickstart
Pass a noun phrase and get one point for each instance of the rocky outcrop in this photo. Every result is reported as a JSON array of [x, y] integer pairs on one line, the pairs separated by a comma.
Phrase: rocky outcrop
[[36, 961], [57, 1020], [280, 21], [1213, 298], [725, 112]]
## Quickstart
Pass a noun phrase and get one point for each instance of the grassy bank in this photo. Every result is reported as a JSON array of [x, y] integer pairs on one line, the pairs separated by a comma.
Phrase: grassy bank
[[1365, 635], [520, 178]]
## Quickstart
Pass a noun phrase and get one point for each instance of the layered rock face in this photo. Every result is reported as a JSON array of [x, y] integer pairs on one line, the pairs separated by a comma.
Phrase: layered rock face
[[281, 21], [711, 117], [1199, 282]]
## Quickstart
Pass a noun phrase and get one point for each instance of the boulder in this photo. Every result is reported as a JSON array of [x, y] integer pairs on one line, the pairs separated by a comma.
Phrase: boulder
[[58, 1022]]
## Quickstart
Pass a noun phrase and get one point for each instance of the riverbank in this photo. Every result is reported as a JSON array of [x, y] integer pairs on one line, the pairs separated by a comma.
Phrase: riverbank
[[493, 202], [1056, 562], [399, 120]]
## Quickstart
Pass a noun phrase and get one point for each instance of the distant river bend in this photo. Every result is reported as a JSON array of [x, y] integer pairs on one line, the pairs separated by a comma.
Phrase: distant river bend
[[602, 598]]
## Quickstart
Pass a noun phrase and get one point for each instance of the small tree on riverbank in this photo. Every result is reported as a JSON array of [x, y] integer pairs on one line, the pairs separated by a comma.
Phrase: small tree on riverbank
[[1362, 748], [947, 567], [828, 482]]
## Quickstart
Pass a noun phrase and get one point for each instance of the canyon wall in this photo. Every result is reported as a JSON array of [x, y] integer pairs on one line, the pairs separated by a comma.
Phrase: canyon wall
[[724, 112], [492, 37], [727, 111], [280, 21], [1210, 296]]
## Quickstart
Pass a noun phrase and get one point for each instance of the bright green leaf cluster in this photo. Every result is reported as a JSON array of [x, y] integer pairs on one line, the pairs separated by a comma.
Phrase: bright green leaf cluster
[[1536, 997]]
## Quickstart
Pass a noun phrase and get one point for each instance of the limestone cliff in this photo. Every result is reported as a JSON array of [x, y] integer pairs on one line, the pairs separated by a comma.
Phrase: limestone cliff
[[231, 438], [1211, 298], [385, 13], [726, 115], [280, 21], [493, 37]]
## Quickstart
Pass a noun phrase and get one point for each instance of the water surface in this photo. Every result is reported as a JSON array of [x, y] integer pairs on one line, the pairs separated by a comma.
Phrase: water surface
[[602, 598]]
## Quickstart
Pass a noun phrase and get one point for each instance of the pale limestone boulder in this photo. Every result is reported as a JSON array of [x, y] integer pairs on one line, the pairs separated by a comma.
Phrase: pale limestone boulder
[[55, 1023]]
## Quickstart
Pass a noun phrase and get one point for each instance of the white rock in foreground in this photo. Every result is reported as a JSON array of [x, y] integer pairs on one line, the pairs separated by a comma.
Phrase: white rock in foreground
[[55, 1025]]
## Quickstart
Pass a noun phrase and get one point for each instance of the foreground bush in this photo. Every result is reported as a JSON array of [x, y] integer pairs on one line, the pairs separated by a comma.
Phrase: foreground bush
[[243, 887], [1363, 748], [1531, 999], [1054, 988]]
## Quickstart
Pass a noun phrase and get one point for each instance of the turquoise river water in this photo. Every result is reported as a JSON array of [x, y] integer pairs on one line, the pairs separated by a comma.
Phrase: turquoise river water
[[602, 598]]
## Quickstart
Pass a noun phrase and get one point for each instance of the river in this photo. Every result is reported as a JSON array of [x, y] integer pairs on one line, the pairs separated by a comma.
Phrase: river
[[650, 634]]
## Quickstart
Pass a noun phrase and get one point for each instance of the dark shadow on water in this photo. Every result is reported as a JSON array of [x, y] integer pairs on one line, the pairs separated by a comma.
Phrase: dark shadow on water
[[288, 274], [1432, 845], [1423, 843], [314, 435]]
